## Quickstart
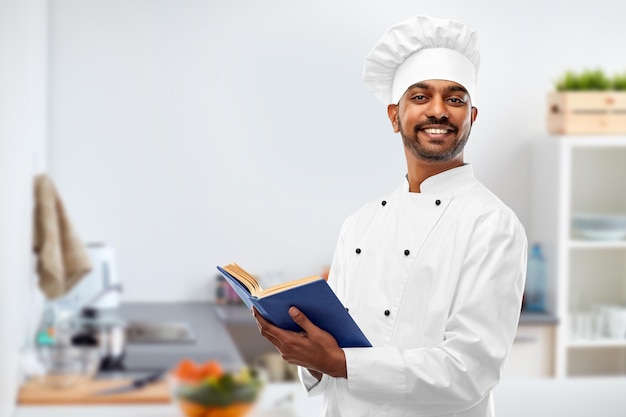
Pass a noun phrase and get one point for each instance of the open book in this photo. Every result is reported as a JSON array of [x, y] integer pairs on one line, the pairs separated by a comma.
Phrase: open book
[[312, 295]]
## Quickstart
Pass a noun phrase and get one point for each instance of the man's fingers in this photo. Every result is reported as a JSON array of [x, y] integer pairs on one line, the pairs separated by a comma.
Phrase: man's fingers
[[258, 316], [276, 335], [267, 329], [301, 320]]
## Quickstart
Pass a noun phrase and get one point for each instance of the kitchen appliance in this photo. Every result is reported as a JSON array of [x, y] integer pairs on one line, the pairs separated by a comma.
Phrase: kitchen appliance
[[103, 275], [105, 332]]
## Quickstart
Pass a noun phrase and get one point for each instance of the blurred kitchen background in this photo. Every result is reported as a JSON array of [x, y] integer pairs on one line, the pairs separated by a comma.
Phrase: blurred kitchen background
[[187, 134]]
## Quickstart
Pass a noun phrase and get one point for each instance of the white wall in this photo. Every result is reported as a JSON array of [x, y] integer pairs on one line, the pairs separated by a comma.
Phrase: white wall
[[193, 133], [22, 143]]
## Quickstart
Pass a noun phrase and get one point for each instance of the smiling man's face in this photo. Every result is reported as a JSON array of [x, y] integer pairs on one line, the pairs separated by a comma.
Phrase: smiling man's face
[[434, 118]]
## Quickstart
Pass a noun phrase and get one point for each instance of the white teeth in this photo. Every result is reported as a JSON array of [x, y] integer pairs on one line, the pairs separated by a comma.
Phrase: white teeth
[[436, 131]]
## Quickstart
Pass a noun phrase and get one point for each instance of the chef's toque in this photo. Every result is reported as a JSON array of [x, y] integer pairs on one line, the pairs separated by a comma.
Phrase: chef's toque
[[418, 49]]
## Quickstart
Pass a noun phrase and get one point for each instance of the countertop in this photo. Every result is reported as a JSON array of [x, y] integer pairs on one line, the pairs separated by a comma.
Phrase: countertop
[[528, 318], [582, 397], [277, 400], [240, 314], [212, 340]]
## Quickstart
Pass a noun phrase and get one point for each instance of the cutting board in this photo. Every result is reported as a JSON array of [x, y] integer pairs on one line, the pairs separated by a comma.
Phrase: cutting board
[[34, 393]]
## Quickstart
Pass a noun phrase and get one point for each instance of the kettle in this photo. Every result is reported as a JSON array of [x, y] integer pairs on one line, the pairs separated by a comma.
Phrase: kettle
[[103, 275]]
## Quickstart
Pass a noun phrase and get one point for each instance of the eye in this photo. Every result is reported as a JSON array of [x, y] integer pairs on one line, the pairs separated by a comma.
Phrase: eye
[[456, 100], [418, 97]]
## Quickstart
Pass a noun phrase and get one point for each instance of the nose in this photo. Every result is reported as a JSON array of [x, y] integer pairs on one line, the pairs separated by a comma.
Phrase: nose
[[437, 108]]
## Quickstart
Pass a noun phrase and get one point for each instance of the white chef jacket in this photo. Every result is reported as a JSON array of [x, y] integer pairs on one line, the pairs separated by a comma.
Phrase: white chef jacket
[[435, 281]]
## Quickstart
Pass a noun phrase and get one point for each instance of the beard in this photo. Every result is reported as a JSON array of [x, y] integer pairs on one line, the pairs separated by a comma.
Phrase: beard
[[420, 151]]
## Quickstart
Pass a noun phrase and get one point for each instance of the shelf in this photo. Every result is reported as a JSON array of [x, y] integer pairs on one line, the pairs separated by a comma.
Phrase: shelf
[[601, 141], [597, 244], [581, 174], [596, 343]]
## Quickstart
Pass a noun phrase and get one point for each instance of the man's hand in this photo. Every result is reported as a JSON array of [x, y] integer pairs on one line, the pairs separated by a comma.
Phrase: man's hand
[[313, 348]]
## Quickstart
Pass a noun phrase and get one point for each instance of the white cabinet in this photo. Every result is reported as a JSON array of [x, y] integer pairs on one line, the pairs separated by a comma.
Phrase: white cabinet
[[581, 175], [532, 354]]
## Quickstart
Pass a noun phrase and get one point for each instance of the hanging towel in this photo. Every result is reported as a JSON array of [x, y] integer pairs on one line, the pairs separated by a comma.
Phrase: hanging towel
[[62, 259]]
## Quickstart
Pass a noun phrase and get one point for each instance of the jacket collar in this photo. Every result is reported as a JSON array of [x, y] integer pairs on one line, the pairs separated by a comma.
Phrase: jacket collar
[[446, 182]]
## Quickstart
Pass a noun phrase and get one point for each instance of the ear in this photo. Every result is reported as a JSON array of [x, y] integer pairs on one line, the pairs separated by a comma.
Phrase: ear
[[392, 113], [474, 114]]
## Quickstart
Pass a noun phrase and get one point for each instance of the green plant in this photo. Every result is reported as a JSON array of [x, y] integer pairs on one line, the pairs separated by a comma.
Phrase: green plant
[[619, 82], [584, 81]]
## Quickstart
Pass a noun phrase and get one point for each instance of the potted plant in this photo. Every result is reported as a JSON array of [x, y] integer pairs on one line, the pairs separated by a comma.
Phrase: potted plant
[[588, 102], [585, 81]]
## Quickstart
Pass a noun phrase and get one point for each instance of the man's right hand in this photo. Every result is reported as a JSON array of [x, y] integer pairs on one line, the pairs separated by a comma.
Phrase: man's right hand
[[313, 348]]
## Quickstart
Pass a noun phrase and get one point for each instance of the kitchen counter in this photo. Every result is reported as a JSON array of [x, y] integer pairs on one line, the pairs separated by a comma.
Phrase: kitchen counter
[[581, 397], [528, 318], [241, 314], [212, 340], [277, 400], [514, 397], [223, 332]]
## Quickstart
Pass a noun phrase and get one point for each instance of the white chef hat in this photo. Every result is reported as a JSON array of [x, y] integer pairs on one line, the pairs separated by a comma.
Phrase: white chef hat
[[418, 49]]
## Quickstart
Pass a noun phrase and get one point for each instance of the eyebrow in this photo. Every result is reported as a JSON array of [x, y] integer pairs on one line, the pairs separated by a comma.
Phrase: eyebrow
[[458, 88], [426, 86]]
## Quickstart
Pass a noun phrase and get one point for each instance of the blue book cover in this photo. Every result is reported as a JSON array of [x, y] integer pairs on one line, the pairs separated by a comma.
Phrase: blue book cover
[[312, 295]]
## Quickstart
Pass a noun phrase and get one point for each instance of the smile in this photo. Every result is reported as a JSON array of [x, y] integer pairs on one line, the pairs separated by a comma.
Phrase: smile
[[435, 131]]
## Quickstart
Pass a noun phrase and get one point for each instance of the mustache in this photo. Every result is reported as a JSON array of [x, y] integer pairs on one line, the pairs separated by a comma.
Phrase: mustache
[[431, 120]]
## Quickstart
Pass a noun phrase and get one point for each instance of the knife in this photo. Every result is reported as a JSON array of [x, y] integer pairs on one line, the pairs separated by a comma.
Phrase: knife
[[134, 385]]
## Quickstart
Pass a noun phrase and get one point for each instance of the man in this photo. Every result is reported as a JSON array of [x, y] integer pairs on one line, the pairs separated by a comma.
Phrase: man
[[432, 272]]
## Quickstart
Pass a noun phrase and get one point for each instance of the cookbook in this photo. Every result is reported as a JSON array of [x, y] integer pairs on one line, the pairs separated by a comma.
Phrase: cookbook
[[311, 295]]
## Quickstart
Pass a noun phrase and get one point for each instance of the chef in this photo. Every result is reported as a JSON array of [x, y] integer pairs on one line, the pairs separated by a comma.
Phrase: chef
[[433, 272]]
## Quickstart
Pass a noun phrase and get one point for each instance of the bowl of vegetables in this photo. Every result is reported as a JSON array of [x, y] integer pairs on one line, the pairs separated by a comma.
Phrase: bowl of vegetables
[[209, 390]]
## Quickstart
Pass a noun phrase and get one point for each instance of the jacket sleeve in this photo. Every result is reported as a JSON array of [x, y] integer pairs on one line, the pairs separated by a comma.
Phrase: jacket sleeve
[[312, 386], [460, 371]]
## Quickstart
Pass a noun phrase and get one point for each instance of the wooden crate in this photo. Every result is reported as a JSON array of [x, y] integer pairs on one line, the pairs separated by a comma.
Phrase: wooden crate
[[587, 112]]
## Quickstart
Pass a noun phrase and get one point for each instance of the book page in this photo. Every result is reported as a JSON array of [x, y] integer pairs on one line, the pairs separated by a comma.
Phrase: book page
[[244, 277], [286, 285]]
